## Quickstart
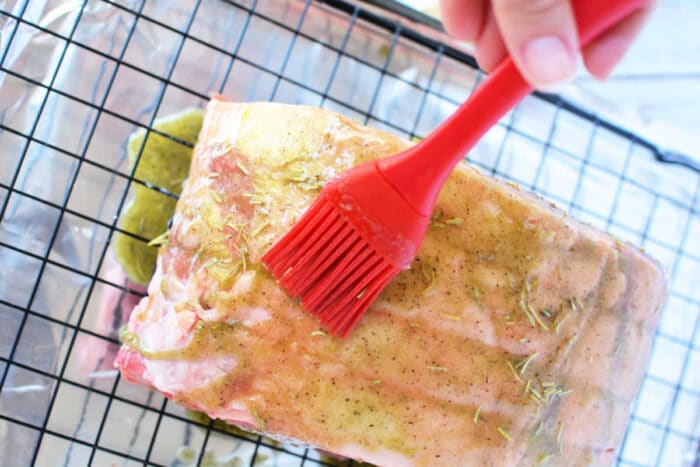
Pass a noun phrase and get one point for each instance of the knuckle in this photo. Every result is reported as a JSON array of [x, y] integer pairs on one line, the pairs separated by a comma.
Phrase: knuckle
[[532, 9]]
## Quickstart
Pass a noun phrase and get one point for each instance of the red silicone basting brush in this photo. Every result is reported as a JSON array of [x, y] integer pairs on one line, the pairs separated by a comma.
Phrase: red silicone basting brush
[[367, 224]]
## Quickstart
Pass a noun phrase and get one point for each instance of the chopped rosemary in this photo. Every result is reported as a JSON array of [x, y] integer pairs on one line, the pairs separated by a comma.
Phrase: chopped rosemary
[[524, 309], [575, 303], [222, 149], [131, 339], [260, 421], [435, 219], [437, 368], [560, 431], [527, 361], [571, 340], [477, 293], [221, 271], [544, 458], [511, 280], [558, 322], [318, 333], [512, 370], [454, 221], [476, 415], [430, 278], [528, 386], [376, 381], [161, 239], [452, 317], [215, 196], [242, 167], [552, 391], [259, 229], [425, 272], [246, 242], [504, 433], [243, 251], [237, 227], [416, 325], [537, 317], [255, 198], [362, 292]]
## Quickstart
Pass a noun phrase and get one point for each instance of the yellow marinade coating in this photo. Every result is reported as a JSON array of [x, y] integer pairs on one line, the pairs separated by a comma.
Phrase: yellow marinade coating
[[512, 310], [164, 163]]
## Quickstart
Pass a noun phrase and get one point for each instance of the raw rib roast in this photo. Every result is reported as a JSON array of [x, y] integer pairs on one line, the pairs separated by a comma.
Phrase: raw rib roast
[[518, 335]]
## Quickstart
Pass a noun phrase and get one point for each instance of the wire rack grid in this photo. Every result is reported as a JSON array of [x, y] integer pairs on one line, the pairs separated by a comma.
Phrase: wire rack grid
[[77, 78]]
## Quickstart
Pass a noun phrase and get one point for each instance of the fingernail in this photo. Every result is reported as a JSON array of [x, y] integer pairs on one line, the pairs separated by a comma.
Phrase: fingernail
[[548, 61]]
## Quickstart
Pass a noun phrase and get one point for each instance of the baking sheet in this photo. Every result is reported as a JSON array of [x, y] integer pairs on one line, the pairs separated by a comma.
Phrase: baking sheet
[[78, 77]]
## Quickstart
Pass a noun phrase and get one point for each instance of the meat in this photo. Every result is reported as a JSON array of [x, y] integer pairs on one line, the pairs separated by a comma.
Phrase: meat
[[97, 355], [517, 336]]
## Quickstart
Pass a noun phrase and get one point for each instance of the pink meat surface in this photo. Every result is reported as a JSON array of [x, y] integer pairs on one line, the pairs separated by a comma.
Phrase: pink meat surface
[[97, 355], [518, 335]]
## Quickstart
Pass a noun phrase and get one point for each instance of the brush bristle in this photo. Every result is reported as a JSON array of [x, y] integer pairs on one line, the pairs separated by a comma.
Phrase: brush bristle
[[323, 260]]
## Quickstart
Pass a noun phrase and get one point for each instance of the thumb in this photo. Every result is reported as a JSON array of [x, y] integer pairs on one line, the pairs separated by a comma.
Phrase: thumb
[[540, 36]]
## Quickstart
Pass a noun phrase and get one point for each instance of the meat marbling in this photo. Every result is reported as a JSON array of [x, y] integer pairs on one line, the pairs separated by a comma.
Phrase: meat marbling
[[518, 335]]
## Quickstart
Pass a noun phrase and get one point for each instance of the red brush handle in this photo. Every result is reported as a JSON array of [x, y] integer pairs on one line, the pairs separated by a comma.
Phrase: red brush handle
[[419, 177]]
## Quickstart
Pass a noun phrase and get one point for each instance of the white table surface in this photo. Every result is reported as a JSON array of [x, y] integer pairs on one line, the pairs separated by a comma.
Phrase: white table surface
[[657, 84]]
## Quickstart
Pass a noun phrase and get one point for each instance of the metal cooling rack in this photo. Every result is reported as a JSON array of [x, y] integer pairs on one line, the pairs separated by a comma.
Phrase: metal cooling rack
[[77, 78]]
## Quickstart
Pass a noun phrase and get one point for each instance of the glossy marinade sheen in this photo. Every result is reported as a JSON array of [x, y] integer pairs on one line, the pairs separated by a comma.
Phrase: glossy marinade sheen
[[517, 336]]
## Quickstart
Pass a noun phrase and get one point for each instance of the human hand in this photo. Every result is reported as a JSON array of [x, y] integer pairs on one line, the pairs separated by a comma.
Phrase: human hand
[[540, 36]]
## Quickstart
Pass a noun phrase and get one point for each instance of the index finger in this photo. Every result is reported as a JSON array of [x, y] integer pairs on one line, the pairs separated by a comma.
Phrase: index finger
[[463, 19]]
